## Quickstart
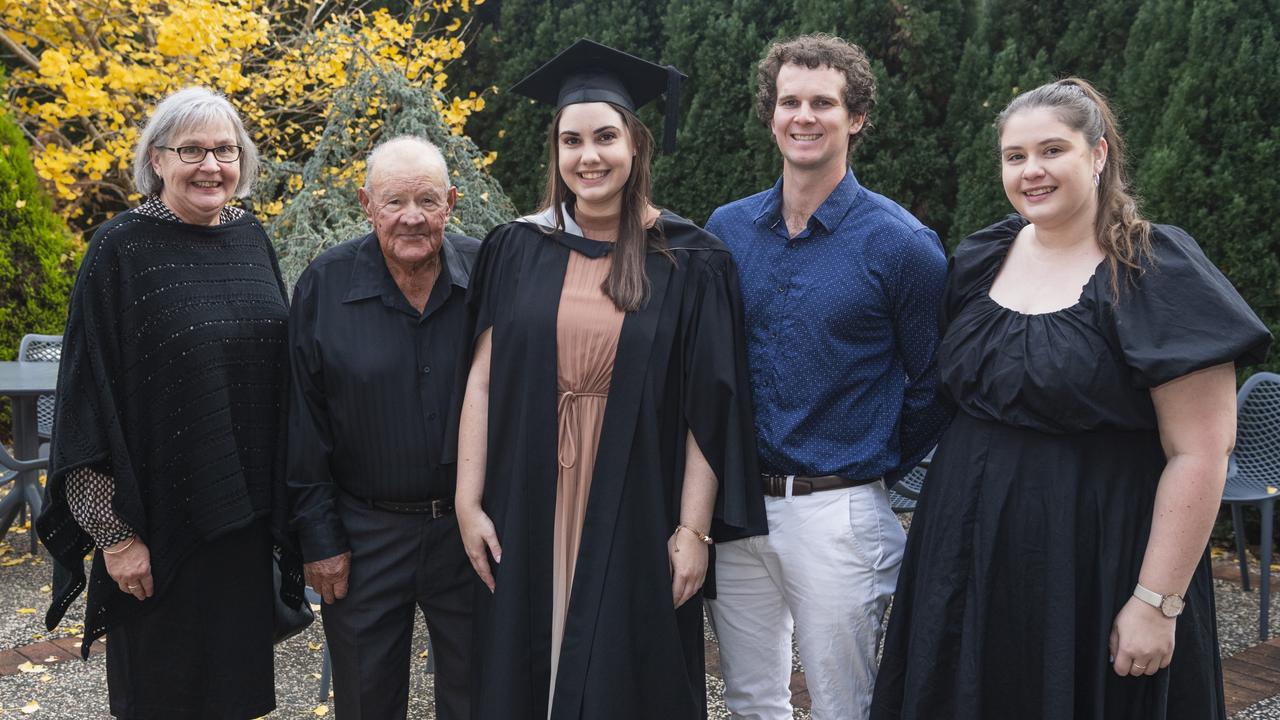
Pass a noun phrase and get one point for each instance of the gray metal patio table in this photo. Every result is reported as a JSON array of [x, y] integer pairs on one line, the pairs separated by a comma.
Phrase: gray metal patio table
[[23, 383]]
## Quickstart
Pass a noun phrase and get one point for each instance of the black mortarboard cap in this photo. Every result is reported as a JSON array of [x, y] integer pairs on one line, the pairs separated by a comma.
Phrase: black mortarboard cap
[[587, 71]]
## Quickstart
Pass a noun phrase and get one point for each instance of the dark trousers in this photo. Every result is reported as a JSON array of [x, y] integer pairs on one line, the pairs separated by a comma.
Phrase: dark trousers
[[399, 561]]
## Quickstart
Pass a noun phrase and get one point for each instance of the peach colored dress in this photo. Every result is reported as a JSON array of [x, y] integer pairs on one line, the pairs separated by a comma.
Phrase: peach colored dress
[[587, 329]]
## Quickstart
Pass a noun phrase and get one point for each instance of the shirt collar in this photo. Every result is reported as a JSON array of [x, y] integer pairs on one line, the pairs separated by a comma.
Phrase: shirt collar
[[371, 278], [829, 213]]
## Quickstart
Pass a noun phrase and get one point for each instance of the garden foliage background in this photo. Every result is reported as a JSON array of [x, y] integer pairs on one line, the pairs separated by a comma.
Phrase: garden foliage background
[[1196, 84]]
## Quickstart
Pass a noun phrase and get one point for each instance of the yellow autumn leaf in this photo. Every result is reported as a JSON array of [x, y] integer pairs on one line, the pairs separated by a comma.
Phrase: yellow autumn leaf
[[314, 646], [321, 710], [31, 707], [29, 667], [26, 611]]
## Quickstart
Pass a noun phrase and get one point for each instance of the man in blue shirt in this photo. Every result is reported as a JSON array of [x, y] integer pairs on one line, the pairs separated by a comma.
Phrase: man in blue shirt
[[841, 287]]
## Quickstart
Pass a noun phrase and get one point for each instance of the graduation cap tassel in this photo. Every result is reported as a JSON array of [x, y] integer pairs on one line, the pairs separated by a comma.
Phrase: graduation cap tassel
[[671, 120]]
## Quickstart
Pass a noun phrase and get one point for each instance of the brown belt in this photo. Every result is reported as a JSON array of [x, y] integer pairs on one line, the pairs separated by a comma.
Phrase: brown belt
[[776, 485]]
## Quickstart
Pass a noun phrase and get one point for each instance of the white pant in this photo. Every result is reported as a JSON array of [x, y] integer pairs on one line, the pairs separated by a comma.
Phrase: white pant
[[827, 568]]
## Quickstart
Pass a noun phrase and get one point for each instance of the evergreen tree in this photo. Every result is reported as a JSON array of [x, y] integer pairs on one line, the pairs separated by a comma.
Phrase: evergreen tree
[[38, 256], [914, 50], [724, 152], [1211, 163], [1154, 55]]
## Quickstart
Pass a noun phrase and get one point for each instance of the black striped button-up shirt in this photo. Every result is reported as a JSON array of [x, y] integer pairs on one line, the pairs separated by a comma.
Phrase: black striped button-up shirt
[[372, 385]]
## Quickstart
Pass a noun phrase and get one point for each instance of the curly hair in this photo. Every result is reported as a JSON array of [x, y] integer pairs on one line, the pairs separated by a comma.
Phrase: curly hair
[[814, 51]]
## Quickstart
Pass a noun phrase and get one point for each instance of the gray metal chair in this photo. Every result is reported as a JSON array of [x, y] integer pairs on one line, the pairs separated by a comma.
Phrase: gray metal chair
[[42, 348], [1253, 476], [904, 495], [14, 505]]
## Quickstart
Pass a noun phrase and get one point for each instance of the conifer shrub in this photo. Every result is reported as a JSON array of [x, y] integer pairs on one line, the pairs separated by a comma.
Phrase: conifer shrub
[[37, 253]]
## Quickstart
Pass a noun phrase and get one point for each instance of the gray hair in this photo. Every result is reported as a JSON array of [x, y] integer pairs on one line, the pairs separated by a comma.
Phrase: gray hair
[[186, 109], [427, 147]]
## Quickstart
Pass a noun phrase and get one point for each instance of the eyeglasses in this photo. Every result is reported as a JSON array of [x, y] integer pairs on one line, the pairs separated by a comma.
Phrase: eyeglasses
[[193, 154]]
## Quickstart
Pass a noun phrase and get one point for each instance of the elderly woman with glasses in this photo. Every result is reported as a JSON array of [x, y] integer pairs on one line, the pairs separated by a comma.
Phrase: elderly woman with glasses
[[169, 413]]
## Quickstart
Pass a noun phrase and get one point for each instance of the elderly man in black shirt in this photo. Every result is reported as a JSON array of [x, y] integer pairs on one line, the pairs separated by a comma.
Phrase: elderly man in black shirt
[[376, 331]]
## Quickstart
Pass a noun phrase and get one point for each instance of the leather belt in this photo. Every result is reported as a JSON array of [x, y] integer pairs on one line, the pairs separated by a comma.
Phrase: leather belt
[[776, 485], [435, 508]]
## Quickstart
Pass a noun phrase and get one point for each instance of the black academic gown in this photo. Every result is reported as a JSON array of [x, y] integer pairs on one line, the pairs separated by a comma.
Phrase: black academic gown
[[680, 366]]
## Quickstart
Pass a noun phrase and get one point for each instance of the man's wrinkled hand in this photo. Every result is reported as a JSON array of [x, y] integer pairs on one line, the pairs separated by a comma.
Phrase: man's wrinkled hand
[[329, 576]]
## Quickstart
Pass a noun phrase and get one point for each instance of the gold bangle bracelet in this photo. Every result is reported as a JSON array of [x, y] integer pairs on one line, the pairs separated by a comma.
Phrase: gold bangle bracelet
[[126, 547], [705, 538]]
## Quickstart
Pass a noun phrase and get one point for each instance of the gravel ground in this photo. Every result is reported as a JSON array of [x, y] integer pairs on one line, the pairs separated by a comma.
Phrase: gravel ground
[[77, 690]]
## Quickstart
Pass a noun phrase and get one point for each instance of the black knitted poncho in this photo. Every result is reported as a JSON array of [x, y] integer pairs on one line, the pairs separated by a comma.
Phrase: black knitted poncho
[[172, 381]]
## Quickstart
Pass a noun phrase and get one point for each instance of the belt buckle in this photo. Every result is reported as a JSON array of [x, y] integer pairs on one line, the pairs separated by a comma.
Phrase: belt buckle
[[775, 484], [436, 511]]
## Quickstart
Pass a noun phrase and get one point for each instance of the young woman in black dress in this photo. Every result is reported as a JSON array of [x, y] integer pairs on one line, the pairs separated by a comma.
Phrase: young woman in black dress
[[1056, 566]]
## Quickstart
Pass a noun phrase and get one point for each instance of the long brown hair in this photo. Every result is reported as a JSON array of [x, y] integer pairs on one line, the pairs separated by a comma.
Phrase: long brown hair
[[1119, 228], [627, 284]]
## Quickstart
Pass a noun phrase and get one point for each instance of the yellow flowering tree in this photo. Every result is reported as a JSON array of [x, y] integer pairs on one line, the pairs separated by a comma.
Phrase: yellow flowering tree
[[87, 73]]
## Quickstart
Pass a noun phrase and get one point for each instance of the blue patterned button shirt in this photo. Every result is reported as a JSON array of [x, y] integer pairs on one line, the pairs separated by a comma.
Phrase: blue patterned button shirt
[[842, 331]]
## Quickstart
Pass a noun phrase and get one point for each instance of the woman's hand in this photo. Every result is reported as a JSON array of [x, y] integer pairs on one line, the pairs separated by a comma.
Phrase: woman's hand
[[130, 567], [688, 557], [1141, 639], [480, 540]]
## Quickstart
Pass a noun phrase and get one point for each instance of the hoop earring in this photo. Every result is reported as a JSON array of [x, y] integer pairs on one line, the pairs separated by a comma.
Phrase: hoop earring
[[1096, 180]]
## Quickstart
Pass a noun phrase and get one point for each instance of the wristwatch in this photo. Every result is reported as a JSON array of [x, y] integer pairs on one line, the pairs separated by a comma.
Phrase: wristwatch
[[1170, 605]]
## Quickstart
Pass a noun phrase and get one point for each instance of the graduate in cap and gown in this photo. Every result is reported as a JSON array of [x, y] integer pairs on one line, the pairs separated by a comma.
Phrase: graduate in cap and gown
[[605, 439]]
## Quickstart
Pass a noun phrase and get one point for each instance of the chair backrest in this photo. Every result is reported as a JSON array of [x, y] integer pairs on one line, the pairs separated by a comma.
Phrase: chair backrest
[[912, 483], [42, 348], [1257, 452]]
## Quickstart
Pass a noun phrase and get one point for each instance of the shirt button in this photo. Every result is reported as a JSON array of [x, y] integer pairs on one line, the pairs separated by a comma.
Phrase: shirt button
[[426, 369], [782, 288]]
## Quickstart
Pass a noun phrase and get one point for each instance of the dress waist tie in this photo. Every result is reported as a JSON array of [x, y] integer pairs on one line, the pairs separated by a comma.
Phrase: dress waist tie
[[568, 412]]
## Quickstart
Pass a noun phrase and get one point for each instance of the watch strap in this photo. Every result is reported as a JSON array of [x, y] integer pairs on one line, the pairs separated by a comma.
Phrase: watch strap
[[1148, 596]]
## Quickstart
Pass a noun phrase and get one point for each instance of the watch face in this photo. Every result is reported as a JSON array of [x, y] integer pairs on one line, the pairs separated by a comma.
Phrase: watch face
[[1171, 606]]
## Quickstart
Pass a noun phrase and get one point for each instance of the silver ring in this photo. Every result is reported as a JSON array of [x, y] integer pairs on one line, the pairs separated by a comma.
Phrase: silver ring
[[131, 587]]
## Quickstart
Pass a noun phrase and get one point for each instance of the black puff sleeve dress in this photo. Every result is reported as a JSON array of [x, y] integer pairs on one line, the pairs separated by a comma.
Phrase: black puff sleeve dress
[[1031, 529]]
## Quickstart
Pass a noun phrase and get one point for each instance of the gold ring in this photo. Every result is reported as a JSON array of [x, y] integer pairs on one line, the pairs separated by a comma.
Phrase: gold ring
[[1140, 667]]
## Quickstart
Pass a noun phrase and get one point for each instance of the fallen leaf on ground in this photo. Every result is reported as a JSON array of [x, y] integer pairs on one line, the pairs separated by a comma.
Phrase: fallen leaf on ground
[[30, 707], [321, 710], [28, 667], [52, 659], [46, 677], [26, 611], [314, 646], [45, 589]]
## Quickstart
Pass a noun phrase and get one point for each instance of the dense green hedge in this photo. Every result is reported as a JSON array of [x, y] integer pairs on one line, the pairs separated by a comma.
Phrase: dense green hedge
[[1194, 82], [37, 254]]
